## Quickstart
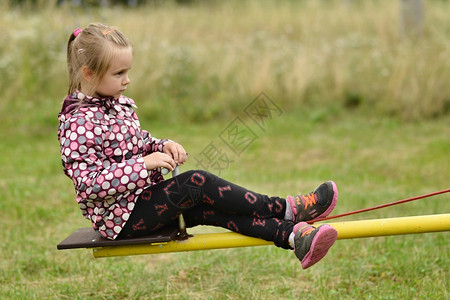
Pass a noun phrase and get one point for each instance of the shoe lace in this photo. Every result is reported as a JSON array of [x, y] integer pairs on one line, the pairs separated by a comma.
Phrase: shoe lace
[[306, 230], [309, 199]]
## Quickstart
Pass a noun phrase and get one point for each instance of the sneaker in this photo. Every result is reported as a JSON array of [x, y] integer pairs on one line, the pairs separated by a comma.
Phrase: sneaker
[[315, 205], [311, 244]]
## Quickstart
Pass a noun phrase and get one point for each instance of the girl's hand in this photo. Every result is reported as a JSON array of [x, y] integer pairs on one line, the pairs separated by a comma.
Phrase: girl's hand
[[176, 151], [159, 160]]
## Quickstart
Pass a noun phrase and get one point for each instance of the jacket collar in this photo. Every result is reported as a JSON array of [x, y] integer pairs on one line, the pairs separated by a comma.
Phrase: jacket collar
[[78, 99], [107, 101]]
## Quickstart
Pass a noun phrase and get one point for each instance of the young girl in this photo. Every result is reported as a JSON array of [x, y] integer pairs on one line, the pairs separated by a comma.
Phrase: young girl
[[116, 166]]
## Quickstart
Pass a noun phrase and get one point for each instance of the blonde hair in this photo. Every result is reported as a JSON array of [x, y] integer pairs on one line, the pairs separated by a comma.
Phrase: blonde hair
[[94, 48]]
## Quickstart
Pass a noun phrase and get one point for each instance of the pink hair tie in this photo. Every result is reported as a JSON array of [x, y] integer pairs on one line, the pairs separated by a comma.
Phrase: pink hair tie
[[77, 32]]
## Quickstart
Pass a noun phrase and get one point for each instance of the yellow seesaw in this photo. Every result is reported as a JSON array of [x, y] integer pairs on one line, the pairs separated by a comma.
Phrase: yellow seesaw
[[166, 241], [174, 239]]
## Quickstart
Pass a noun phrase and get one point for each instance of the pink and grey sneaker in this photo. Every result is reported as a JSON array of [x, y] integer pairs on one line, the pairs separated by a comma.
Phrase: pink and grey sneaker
[[311, 244], [315, 205]]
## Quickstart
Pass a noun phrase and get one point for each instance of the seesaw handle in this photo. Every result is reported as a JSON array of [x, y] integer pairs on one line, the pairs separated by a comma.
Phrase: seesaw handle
[[175, 171], [181, 224]]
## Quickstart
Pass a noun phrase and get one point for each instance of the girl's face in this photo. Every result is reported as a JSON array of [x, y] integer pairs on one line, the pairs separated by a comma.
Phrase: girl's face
[[116, 80]]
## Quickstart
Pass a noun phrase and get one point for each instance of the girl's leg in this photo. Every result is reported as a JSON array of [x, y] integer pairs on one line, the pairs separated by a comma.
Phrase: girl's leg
[[199, 193], [203, 187], [202, 198], [274, 230]]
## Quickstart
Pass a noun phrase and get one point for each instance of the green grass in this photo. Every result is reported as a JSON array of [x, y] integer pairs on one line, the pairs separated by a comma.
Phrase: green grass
[[380, 138], [374, 160]]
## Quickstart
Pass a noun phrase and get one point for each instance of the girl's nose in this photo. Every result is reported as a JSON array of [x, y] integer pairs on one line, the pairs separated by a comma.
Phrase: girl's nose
[[126, 80]]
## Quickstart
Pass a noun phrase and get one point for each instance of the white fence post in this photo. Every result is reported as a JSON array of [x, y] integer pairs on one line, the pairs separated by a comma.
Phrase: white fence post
[[412, 17]]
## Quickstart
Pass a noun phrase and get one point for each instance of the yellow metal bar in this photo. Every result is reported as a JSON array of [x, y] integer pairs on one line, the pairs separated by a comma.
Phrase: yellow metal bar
[[346, 230], [392, 226], [204, 241]]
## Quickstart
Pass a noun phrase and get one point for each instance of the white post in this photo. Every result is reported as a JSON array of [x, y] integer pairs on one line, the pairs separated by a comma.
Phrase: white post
[[412, 17]]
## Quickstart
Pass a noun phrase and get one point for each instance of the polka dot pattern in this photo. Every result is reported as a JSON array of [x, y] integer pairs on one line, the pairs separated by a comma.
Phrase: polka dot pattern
[[102, 149]]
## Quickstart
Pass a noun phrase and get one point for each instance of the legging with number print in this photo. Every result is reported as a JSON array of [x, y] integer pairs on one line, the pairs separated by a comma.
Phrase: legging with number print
[[206, 199]]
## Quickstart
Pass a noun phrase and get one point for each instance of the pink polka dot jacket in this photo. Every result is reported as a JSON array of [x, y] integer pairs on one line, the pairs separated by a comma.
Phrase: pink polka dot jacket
[[102, 150]]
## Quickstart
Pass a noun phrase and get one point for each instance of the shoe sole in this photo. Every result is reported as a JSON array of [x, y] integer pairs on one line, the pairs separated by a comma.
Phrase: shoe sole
[[322, 242], [332, 205]]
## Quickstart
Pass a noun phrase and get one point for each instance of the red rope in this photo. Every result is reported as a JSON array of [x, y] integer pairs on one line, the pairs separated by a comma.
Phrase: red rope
[[380, 206]]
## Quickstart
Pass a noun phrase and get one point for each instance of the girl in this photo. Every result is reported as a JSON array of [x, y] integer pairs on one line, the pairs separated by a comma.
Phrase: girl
[[116, 166]]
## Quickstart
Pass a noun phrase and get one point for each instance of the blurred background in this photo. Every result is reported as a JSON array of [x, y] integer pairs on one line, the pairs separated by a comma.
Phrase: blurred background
[[208, 56], [361, 94]]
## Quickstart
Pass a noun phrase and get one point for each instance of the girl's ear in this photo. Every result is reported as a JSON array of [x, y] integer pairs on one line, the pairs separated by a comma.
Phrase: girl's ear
[[88, 75]]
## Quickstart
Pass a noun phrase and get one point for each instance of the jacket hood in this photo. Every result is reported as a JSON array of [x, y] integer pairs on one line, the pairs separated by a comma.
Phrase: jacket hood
[[77, 99], [71, 102]]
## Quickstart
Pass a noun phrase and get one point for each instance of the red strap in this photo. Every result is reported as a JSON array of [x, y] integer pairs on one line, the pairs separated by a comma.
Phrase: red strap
[[380, 206]]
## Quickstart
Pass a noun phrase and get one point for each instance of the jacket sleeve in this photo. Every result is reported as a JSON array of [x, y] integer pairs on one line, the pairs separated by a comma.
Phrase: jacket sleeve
[[153, 144], [93, 175]]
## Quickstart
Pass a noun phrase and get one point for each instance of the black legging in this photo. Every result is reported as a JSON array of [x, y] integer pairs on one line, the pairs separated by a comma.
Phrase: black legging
[[206, 199]]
